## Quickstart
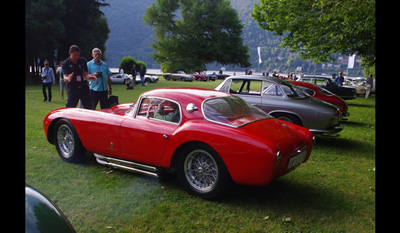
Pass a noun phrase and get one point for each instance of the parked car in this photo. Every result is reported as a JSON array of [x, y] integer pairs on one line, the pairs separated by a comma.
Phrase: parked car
[[178, 76], [222, 76], [147, 79], [120, 78], [212, 76], [360, 86], [345, 93], [209, 138], [324, 95], [204, 77], [200, 76], [285, 101], [42, 215]]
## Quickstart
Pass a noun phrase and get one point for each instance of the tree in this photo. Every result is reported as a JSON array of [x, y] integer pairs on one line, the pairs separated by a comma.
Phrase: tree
[[319, 28], [85, 26], [57, 24], [44, 30], [192, 33], [127, 63]]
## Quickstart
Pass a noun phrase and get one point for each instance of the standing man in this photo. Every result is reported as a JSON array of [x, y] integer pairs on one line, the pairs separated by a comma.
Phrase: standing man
[[62, 84], [47, 80], [75, 73], [369, 82], [142, 72], [100, 89], [340, 79]]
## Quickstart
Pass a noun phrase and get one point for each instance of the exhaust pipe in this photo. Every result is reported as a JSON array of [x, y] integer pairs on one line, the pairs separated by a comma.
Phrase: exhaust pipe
[[127, 165]]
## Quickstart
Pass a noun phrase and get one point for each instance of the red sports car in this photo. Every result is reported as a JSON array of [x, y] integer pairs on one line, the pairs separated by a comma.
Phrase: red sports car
[[325, 95], [209, 138]]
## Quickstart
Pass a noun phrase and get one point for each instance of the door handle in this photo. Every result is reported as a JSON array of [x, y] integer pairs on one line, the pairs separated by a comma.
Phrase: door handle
[[165, 136]]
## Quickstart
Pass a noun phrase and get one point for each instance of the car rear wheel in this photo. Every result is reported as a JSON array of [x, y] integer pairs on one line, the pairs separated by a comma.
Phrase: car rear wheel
[[68, 144], [202, 172], [288, 118]]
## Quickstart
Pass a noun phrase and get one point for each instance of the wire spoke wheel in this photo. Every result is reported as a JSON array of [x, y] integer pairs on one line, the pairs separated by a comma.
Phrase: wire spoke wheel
[[66, 141], [201, 170]]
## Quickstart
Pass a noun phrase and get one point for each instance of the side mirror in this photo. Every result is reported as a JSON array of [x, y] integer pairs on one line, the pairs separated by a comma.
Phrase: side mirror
[[191, 108]]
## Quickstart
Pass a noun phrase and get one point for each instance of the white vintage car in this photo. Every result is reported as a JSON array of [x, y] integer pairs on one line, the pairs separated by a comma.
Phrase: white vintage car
[[120, 78]]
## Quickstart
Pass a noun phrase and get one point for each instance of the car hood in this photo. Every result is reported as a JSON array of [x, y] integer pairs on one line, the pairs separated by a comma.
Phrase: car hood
[[120, 109]]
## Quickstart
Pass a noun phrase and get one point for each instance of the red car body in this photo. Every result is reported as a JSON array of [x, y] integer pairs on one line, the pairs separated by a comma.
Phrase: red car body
[[324, 95], [253, 150]]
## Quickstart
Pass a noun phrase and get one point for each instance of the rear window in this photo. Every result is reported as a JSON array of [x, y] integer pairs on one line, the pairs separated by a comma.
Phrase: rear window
[[232, 111]]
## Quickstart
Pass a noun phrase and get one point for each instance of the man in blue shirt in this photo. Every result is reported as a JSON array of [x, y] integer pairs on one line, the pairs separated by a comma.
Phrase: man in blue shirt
[[340, 79], [102, 87]]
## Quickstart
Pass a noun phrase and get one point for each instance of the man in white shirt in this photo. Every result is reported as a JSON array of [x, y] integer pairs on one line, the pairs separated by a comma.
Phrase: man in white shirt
[[47, 80]]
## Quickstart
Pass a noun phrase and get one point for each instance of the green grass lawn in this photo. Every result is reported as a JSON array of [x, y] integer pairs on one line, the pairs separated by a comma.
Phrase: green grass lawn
[[334, 191]]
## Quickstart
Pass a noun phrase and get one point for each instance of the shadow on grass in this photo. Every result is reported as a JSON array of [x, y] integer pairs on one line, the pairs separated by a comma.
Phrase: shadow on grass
[[345, 146], [361, 105], [355, 124], [290, 197]]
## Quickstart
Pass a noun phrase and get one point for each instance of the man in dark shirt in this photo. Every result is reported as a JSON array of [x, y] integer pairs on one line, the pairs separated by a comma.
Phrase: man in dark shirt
[[340, 79], [75, 72]]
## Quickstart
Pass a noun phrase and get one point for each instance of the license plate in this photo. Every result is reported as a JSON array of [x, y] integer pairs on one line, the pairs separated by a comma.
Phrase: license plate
[[297, 160]]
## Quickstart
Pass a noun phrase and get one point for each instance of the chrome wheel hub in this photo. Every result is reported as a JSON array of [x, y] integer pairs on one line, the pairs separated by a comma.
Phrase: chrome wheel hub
[[65, 140], [201, 170]]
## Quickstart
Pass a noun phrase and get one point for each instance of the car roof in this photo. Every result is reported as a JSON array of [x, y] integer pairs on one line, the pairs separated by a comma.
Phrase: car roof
[[305, 84], [182, 94], [257, 77], [319, 77]]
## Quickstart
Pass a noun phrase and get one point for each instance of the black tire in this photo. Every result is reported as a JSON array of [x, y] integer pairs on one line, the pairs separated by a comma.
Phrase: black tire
[[202, 172], [67, 142]]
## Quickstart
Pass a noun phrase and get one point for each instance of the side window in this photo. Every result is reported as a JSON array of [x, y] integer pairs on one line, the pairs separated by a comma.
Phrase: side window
[[236, 86], [253, 87], [288, 91], [320, 82], [144, 106], [246, 87], [161, 109], [227, 86], [273, 90], [307, 90], [266, 85]]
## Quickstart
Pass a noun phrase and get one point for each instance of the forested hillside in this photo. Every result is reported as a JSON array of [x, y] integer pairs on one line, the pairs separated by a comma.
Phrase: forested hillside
[[129, 36]]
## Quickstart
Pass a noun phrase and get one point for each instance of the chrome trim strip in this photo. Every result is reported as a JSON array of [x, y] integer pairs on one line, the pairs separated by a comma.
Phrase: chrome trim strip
[[126, 165]]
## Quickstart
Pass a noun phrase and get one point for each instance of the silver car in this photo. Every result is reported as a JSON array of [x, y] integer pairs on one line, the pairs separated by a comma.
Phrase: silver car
[[285, 101], [178, 76]]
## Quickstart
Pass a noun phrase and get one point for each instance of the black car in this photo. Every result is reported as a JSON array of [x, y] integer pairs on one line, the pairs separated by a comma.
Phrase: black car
[[42, 215], [345, 93]]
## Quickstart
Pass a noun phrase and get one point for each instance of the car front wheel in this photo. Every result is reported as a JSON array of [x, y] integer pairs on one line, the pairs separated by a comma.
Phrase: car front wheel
[[68, 144], [202, 172]]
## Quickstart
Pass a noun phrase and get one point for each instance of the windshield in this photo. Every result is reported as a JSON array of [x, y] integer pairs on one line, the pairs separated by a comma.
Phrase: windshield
[[232, 111]]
